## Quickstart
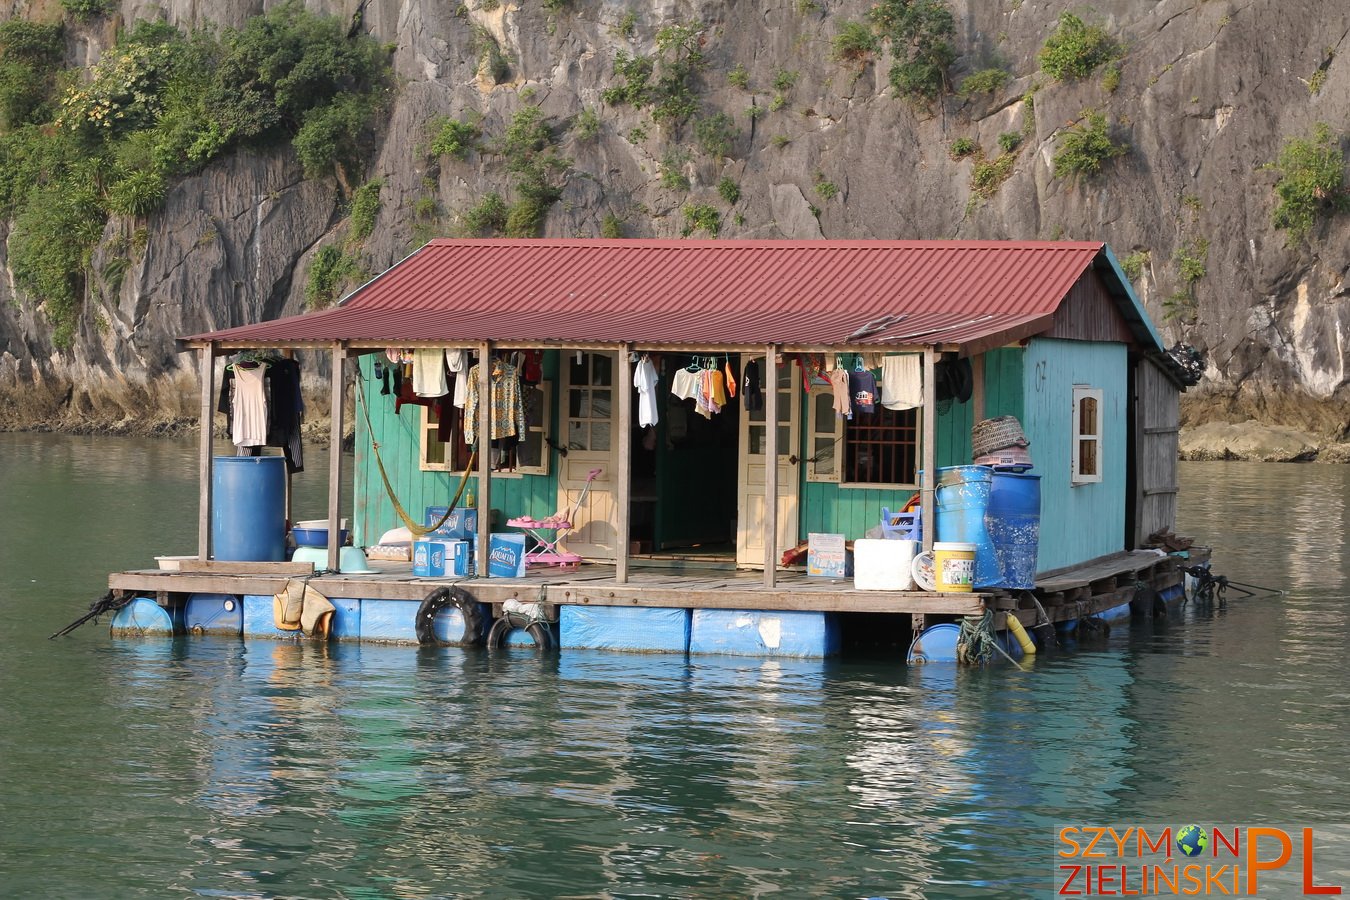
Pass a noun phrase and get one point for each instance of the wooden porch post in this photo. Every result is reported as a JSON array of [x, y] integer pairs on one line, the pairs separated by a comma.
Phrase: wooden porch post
[[335, 456], [206, 367], [928, 490], [771, 466], [622, 480], [484, 442]]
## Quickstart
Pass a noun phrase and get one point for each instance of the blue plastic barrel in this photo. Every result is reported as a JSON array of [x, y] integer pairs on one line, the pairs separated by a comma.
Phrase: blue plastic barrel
[[1014, 525], [248, 508], [962, 502], [937, 643]]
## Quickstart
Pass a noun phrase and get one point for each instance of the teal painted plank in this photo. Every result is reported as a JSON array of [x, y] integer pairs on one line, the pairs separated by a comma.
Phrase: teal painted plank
[[1084, 521]]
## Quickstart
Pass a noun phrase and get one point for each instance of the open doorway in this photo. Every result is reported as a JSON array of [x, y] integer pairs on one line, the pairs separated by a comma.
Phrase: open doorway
[[683, 491]]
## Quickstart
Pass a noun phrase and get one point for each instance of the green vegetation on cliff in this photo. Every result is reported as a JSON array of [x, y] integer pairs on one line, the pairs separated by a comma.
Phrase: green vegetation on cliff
[[160, 104]]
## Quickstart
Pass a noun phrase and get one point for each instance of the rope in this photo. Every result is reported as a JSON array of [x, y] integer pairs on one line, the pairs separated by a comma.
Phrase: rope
[[107, 603], [408, 522], [976, 643]]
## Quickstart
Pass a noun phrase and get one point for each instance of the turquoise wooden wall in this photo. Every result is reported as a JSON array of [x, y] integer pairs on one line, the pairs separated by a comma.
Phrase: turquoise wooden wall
[[824, 507], [1086, 521], [400, 447], [851, 511]]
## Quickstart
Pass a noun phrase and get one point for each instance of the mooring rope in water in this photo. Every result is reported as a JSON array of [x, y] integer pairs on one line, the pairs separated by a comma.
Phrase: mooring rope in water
[[976, 642], [107, 603], [1209, 587]]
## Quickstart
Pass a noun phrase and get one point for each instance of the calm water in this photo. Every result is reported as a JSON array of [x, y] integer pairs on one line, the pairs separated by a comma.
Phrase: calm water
[[156, 768]]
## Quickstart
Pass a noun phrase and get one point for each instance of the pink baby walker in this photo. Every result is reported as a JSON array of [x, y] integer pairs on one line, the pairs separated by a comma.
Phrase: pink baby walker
[[549, 551]]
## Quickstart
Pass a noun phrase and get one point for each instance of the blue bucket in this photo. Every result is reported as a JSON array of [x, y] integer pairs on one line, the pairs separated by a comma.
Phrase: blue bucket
[[248, 508], [1013, 521], [962, 502]]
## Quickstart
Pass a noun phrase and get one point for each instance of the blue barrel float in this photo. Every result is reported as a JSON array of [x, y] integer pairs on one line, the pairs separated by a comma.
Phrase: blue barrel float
[[1013, 521], [248, 508], [962, 504]]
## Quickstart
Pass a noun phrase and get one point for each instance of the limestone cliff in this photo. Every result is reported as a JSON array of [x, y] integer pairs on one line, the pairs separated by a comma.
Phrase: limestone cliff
[[1208, 93]]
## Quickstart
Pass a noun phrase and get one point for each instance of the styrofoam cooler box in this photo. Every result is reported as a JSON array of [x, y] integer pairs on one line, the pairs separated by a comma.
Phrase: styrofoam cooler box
[[883, 565], [429, 558], [460, 525]]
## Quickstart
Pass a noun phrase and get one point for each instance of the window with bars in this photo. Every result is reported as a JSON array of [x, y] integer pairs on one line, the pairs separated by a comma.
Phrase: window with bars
[[879, 448], [528, 456]]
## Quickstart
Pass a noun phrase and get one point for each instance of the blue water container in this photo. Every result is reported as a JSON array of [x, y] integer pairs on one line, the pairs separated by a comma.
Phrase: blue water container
[[962, 502], [248, 508], [937, 643], [1013, 521]]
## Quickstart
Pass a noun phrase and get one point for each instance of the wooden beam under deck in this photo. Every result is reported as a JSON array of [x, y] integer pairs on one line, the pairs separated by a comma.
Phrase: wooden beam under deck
[[591, 585]]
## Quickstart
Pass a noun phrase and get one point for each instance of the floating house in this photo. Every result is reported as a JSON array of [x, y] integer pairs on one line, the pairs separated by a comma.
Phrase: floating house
[[685, 506]]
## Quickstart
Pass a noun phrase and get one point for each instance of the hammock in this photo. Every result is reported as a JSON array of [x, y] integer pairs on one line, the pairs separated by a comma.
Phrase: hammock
[[408, 522]]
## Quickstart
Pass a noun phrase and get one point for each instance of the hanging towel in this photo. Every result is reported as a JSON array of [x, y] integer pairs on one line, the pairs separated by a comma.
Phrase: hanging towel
[[901, 382], [429, 373], [457, 362], [644, 379]]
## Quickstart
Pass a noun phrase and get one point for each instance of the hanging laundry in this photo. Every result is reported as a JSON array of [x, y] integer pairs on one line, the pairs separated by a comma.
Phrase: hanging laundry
[[839, 389], [731, 380], [718, 389], [752, 389], [872, 360], [286, 411], [250, 406], [507, 414], [703, 404], [283, 405], [685, 384], [953, 380], [645, 379], [862, 390], [457, 361], [901, 382], [532, 369], [429, 373]]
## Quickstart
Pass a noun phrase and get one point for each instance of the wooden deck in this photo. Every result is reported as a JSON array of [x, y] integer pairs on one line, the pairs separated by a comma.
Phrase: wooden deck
[[1091, 588], [588, 585]]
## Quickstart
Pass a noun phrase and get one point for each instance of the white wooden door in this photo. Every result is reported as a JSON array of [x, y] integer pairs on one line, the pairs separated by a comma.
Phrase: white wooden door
[[752, 465], [591, 439]]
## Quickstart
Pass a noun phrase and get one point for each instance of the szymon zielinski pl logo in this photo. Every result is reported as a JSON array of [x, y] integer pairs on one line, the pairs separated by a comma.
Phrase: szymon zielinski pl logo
[[1197, 860]]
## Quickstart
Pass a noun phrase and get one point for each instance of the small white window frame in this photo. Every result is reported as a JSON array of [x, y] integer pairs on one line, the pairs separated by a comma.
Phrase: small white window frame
[[1080, 435]]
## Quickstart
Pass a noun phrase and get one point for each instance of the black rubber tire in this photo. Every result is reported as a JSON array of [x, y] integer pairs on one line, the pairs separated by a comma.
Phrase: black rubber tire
[[509, 622], [469, 608]]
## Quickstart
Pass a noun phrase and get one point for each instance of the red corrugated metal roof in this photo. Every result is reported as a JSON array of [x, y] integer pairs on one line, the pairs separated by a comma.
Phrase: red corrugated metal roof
[[653, 292]]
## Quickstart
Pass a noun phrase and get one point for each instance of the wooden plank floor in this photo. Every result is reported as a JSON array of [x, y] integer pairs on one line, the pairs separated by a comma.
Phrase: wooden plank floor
[[590, 585]]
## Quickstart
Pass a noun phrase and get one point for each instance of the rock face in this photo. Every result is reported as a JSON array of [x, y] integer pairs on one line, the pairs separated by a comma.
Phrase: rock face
[[1209, 91]]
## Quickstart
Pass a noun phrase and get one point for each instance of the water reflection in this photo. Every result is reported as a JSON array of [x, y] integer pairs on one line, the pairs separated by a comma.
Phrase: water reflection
[[219, 768]]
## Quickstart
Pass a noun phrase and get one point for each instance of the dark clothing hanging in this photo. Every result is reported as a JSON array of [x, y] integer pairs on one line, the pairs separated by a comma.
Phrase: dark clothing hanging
[[752, 387], [285, 408]]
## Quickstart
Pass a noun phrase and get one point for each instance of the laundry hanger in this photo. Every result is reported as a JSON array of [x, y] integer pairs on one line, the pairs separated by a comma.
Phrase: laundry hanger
[[247, 359]]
